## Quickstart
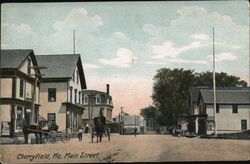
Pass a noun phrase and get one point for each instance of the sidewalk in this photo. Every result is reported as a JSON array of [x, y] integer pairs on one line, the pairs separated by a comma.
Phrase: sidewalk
[[32, 139]]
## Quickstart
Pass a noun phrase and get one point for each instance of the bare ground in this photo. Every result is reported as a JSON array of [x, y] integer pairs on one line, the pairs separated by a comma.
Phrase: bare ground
[[128, 148]]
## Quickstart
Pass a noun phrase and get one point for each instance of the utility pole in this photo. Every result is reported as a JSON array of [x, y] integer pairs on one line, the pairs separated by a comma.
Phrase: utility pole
[[74, 41], [121, 121], [214, 87], [33, 97]]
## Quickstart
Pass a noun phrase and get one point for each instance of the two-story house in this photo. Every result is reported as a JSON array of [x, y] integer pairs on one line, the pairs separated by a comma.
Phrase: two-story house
[[95, 101], [232, 113], [194, 108], [19, 91], [61, 90]]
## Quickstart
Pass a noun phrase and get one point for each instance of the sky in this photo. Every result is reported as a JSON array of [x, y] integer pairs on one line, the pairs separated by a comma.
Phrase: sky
[[124, 43]]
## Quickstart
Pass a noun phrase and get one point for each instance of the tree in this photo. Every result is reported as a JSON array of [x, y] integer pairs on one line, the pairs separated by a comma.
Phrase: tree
[[149, 114], [170, 91], [222, 79]]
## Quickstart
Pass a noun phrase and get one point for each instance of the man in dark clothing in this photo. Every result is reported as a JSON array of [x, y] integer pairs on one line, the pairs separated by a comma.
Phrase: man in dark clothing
[[80, 131]]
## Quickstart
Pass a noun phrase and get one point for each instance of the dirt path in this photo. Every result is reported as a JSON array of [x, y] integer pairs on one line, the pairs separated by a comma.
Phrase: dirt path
[[128, 148]]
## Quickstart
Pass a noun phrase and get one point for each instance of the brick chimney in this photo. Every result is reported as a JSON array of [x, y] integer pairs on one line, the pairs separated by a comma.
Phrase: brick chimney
[[108, 89]]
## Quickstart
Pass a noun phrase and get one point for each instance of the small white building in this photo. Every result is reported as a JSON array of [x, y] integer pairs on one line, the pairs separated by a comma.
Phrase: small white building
[[232, 110]]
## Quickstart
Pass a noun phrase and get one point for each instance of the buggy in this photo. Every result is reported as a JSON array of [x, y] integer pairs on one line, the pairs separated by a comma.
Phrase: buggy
[[100, 128]]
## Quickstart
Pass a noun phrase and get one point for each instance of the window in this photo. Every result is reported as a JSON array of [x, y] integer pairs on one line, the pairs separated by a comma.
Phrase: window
[[29, 67], [51, 118], [75, 95], [235, 109], [77, 76], [52, 94], [79, 97], [75, 121], [74, 76], [98, 99], [217, 108], [19, 118], [85, 99], [210, 125], [70, 94], [243, 124], [21, 88]]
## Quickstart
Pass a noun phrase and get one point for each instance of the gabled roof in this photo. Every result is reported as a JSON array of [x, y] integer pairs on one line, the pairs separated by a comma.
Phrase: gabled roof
[[194, 93], [61, 66], [13, 58], [226, 96]]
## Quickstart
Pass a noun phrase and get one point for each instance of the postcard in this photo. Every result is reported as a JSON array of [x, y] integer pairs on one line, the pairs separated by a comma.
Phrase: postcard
[[104, 82]]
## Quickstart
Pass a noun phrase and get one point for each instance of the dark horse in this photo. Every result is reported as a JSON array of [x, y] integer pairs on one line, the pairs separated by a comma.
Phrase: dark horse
[[36, 129], [99, 128]]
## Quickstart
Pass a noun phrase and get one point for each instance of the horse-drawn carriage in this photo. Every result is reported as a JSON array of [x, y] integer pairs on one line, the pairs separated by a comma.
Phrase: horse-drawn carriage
[[45, 135], [100, 128]]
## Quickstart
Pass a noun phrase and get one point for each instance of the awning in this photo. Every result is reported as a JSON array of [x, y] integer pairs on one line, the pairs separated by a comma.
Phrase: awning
[[25, 103], [73, 106]]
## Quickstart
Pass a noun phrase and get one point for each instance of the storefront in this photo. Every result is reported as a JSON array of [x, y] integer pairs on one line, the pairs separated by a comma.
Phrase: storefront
[[13, 113]]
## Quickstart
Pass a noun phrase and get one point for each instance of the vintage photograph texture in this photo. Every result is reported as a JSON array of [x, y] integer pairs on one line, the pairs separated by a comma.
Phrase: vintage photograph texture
[[124, 82]]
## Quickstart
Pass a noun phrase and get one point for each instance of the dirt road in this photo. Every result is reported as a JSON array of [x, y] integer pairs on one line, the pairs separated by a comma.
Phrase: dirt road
[[128, 148]]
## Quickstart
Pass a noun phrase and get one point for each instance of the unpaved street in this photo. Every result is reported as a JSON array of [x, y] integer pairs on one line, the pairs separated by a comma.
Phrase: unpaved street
[[129, 148]]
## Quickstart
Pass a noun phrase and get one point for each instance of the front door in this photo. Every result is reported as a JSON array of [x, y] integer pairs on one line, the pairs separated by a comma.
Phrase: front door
[[27, 116], [243, 124]]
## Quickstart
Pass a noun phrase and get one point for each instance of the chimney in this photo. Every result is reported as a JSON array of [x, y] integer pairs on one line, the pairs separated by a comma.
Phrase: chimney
[[108, 89]]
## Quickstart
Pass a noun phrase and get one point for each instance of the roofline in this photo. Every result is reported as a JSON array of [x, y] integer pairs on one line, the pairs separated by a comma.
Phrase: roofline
[[55, 54], [55, 79], [92, 90], [81, 72], [211, 103]]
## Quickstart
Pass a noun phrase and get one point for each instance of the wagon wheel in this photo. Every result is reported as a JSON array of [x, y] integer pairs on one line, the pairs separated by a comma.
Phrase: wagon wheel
[[65, 137], [44, 139], [52, 136]]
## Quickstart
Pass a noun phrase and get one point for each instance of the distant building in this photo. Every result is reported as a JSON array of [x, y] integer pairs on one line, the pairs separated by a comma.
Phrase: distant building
[[232, 110], [95, 102], [61, 90], [17, 82], [129, 123]]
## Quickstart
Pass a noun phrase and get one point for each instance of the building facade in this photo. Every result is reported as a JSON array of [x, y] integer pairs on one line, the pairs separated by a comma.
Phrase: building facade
[[232, 113], [194, 108], [19, 91], [61, 90], [95, 102]]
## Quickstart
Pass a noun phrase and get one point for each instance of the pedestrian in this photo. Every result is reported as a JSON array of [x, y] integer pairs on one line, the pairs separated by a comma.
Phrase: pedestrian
[[80, 131], [135, 131], [87, 129]]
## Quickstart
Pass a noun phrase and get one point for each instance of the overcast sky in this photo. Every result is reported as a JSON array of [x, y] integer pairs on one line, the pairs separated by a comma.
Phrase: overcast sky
[[124, 43]]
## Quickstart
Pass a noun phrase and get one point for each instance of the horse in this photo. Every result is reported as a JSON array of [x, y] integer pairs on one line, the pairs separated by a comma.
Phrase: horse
[[36, 129], [99, 128]]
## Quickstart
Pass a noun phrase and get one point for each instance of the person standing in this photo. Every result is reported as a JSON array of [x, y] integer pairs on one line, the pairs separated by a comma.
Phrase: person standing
[[87, 129], [135, 131], [80, 131]]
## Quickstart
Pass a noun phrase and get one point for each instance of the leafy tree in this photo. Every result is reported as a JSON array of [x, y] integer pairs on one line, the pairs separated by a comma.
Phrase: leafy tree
[[222, 79], [148, 112]]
